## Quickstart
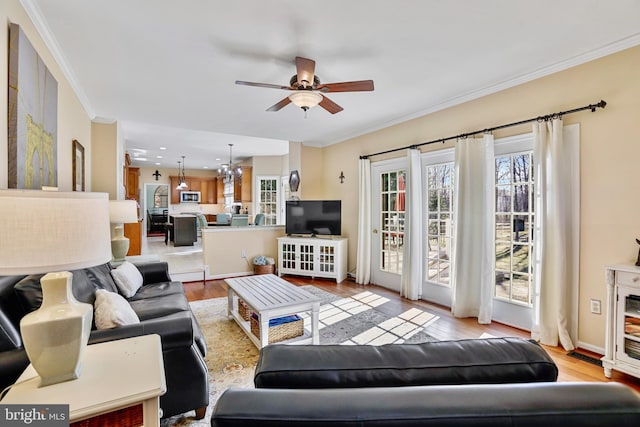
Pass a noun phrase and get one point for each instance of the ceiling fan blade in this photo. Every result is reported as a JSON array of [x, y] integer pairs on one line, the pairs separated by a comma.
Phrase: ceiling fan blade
[[305, 71], [267, 85], [278, 106], [330, 106], [358, 86]]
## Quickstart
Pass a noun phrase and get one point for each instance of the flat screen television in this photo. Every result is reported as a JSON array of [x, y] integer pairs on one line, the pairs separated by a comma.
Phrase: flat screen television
[[314, 217]]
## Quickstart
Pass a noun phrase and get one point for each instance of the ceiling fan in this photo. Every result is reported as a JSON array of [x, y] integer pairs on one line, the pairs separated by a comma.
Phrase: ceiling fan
[[308, 90]]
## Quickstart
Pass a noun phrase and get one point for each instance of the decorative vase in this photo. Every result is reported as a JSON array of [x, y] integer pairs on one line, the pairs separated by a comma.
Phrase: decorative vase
[[119, 243], [56, 334]]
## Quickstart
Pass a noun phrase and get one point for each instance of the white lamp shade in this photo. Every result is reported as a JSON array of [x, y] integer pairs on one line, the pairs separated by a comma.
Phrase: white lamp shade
[[44, 231], [123, 211], [305, 98]]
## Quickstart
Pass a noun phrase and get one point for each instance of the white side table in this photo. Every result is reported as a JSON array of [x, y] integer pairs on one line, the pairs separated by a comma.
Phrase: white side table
[[122, 379]]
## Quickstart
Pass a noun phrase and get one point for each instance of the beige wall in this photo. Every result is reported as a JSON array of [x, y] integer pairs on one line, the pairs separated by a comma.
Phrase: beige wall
[[610, 154], [312, 165], [73, 121], [107, 176], [223, 247]]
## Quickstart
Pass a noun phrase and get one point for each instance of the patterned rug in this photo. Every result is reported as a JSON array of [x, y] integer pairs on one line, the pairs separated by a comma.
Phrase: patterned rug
[[232, 357]]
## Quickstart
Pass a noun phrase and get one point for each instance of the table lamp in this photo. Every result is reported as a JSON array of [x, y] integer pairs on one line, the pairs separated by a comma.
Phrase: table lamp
[[121, 212], [50, 232]]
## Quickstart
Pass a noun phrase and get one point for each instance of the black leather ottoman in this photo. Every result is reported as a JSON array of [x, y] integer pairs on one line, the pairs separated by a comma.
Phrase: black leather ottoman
[[473, 361]]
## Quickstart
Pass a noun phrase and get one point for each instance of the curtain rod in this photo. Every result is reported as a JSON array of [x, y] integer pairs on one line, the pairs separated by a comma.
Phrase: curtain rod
[[591, 107]]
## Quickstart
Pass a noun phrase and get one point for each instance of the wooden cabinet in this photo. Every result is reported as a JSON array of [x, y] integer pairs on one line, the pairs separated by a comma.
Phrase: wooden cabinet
[[131, 178], [133, 232], [206, 186], [220, 191], [622, 340], [242, 186], [315, 257], [209, 191]]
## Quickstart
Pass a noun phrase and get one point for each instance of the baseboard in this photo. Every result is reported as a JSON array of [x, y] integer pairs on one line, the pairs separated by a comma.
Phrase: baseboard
[[592, 348], [190, 276], [226, 275]]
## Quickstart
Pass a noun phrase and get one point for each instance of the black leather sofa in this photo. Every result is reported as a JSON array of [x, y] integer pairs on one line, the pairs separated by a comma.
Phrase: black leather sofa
[[162, 308], [495, 382]]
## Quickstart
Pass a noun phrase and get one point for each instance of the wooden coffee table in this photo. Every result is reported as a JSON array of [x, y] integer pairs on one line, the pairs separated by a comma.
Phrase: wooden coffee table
[[269, 297]]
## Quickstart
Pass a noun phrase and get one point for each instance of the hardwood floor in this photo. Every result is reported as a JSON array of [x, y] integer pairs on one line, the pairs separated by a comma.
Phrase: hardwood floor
[[446, 327]]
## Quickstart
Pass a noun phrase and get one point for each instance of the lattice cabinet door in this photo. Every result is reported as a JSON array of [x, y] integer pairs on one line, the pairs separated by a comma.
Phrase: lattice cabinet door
[[288, 256], [307, 256], [327, 258]]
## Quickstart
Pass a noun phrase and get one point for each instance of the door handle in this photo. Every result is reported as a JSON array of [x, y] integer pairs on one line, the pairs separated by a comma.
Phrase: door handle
[[375, 231]]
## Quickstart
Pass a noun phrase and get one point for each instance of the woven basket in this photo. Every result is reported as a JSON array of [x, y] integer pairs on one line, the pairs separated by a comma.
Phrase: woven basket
[[280, 332], [243, 310], [264, 269]]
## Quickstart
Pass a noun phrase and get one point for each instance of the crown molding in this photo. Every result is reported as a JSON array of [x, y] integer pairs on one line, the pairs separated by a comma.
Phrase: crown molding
[[591, 55], [35, 14]]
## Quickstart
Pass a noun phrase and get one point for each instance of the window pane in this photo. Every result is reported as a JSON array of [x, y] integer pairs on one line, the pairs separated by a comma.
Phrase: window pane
[[521, 198], [521, 258], [503, 285], [503, 170], [503, 198], [503, 227], [521, 168], [520, 288], [503, 256], [522, 228]]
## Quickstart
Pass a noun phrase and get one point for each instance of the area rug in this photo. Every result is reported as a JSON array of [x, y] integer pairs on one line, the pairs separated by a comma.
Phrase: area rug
[[359, 319]]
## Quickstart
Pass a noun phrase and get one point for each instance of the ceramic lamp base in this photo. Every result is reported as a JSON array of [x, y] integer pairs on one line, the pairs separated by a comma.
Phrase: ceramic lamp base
[[119, 243], [56, 334]]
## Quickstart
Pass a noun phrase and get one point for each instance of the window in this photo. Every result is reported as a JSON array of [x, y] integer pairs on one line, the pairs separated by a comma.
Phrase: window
[[514, 227], [439, 222], [392, 220], [268, 199]]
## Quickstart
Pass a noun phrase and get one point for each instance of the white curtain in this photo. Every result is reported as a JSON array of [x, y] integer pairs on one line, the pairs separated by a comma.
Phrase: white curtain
[[473, 278], [557, 167], [411, 279], [363, 260]]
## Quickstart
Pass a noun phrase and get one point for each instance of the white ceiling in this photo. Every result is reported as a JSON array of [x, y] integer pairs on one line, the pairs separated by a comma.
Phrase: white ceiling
[[166, 69]]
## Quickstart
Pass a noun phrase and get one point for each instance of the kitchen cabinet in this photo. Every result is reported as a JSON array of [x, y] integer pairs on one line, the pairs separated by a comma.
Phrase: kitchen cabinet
[[206, 186]]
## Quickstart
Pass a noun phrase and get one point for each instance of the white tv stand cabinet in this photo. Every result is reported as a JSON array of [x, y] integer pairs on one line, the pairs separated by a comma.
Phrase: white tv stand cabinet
[[313, 256]]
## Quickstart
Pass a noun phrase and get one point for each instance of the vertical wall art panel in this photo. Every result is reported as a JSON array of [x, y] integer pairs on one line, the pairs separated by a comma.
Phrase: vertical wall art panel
[[33, 116]]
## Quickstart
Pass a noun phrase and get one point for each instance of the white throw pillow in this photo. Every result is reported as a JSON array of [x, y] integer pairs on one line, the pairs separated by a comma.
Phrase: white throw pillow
[[111, 310], [127, 278]]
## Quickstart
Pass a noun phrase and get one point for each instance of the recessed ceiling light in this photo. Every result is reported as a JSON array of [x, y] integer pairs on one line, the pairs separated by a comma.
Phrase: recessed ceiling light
[[157, 164], [142, 159], [206, 167], [218, 159], [163, 148], [158, 157]]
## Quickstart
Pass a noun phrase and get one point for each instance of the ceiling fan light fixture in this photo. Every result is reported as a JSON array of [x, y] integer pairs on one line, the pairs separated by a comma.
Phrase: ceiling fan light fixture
[[305, 99]]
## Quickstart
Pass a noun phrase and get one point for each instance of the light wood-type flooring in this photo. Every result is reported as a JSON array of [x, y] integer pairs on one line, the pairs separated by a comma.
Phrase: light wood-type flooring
[[445, 328]]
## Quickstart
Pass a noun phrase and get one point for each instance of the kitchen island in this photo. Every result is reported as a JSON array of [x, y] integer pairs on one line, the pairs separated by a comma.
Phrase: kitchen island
[[229, 251], [183, 231]]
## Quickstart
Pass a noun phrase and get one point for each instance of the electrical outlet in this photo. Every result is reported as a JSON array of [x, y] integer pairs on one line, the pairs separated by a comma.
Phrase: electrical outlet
[[243, 254], [596, 306]]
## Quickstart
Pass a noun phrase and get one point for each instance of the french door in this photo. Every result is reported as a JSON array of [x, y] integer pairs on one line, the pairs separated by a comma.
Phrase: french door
[[387, 222]]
